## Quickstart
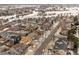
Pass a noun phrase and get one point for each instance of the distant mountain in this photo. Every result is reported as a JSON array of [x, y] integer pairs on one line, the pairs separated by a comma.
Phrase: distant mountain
[[44, 5]]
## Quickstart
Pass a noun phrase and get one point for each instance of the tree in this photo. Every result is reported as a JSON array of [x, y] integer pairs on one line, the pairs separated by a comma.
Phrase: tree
[[74, 39], [72, 31], [76, 20]]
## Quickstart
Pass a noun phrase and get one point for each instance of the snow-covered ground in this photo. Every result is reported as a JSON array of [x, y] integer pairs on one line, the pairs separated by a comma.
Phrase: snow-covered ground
[[4, 30], [69, 11], [31, 15], [7, 17], [72, 12]]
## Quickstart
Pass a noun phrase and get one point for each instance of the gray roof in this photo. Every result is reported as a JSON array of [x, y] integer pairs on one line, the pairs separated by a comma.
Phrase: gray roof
[[7, 35]]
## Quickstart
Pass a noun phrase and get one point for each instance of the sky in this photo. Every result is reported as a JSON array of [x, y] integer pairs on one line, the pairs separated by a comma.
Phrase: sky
[[39, 2]]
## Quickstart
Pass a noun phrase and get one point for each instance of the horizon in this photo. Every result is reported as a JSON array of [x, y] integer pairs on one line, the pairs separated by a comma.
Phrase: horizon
[[39, 2]]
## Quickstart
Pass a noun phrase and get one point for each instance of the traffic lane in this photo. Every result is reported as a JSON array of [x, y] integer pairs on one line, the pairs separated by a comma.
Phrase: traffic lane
[[39, 51]]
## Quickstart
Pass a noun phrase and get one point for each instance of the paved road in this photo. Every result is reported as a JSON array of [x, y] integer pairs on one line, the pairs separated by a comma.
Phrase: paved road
[[45, 43]]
